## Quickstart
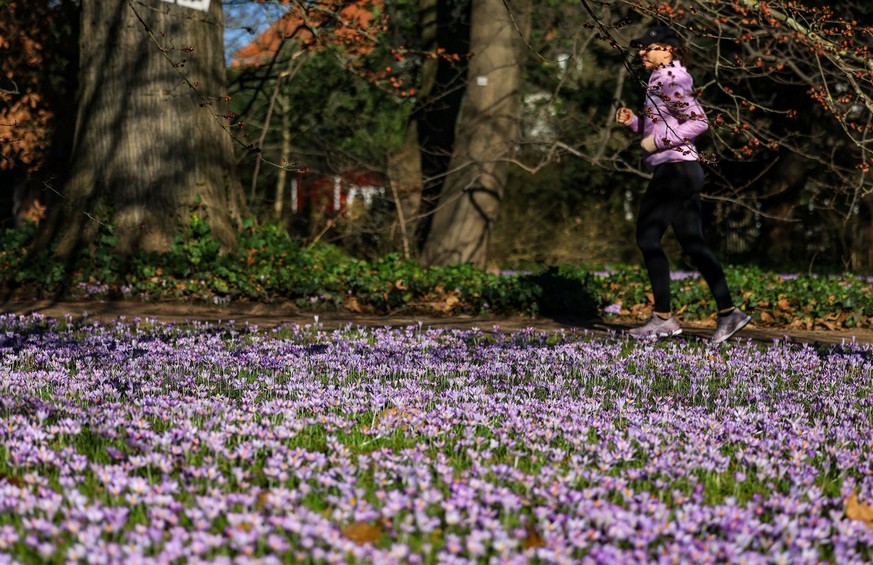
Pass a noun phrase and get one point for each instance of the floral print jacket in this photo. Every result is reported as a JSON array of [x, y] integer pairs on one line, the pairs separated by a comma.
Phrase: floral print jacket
[[672, 116]]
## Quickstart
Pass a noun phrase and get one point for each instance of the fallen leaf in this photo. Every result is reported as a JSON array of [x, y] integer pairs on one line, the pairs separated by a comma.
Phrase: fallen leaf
[[13, 481], [245, 526], [858, 510], [352, 305], [451, 300], [533, 540], [400, 414], [362, 532], [637, 309], [261, 501]]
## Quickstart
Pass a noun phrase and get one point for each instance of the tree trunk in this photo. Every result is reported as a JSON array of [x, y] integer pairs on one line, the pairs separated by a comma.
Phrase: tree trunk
[[404, 176], [282, 175], [418, 169], [486, 134], [149, 143]]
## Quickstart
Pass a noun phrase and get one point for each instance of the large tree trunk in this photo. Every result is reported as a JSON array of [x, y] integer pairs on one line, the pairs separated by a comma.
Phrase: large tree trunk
[[417, 170], [486, 134], [149, 144]]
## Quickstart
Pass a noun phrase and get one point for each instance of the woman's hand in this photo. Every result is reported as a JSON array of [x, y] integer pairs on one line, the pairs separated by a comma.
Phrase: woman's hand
[[648, 144], [624, 116]]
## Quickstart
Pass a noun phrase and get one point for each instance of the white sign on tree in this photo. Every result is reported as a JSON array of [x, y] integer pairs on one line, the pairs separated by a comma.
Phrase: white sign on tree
[[196, 4]]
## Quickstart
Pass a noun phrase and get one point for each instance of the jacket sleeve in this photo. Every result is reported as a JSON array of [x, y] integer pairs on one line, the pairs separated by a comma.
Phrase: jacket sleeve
[[634, 124], [689, 119]]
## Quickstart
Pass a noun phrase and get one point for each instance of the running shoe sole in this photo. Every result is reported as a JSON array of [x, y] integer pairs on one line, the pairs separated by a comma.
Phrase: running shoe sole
[[660, 335]]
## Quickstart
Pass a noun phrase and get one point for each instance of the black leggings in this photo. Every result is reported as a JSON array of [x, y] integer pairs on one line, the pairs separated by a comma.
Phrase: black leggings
[[673, 199]]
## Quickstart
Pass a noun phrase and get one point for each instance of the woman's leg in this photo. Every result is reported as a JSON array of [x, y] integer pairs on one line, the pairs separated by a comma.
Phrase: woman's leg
[[654, 217], [688, 227]]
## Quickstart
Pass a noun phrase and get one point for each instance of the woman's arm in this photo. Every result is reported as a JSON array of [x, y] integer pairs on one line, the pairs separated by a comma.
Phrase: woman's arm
[[627, 117], [683, 132]]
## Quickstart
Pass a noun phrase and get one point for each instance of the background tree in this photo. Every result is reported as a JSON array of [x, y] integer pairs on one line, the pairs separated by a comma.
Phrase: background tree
[[486, 135], [439, 49], [150, 140]]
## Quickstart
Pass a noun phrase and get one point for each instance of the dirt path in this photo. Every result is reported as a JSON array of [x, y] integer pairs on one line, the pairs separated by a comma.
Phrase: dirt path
[[271, 315]]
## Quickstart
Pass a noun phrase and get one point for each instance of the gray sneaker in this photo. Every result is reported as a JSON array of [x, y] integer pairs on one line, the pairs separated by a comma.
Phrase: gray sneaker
[[729, 325], [656, 328]]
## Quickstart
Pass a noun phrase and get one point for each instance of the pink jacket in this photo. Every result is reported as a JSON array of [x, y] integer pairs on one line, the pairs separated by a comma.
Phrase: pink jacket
[[672, 116]]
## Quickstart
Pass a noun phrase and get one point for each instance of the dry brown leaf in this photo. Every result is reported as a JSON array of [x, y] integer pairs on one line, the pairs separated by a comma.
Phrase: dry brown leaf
[[450, 302], [11, 480], [533, 540], [261, 501], [245, 526], [362, 532], [766, 317], [784, 305], [402, 414], [858, 510], [352, 305], [636, 309]]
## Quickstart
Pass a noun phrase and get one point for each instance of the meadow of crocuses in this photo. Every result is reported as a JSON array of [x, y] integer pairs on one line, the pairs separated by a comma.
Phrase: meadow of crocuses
[[140, 441]]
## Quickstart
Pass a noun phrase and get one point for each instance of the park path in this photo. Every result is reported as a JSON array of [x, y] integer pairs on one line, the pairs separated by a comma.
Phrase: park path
[[271, 315]]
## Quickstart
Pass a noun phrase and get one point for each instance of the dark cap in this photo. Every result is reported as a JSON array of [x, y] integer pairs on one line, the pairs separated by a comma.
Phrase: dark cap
[[657, 34]]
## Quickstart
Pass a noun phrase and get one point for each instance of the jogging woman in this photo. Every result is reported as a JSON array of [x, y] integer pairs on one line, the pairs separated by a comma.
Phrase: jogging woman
[[671, 119]]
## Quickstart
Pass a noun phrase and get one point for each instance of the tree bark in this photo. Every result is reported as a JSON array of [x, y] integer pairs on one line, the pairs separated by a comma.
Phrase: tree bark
[[404, 176], [417, 170], [149, 144], [282, 175], [486, 133]]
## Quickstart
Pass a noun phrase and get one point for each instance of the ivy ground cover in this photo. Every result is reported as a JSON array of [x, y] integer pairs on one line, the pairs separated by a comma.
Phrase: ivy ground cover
[[137, 441]]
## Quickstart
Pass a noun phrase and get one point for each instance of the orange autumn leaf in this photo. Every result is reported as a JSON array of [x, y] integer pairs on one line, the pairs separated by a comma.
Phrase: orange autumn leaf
[[858, 510], [245, 526], [362, 532], [349, 25]]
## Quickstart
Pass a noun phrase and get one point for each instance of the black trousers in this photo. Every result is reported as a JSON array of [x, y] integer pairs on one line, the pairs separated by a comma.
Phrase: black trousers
[[673, 199]]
